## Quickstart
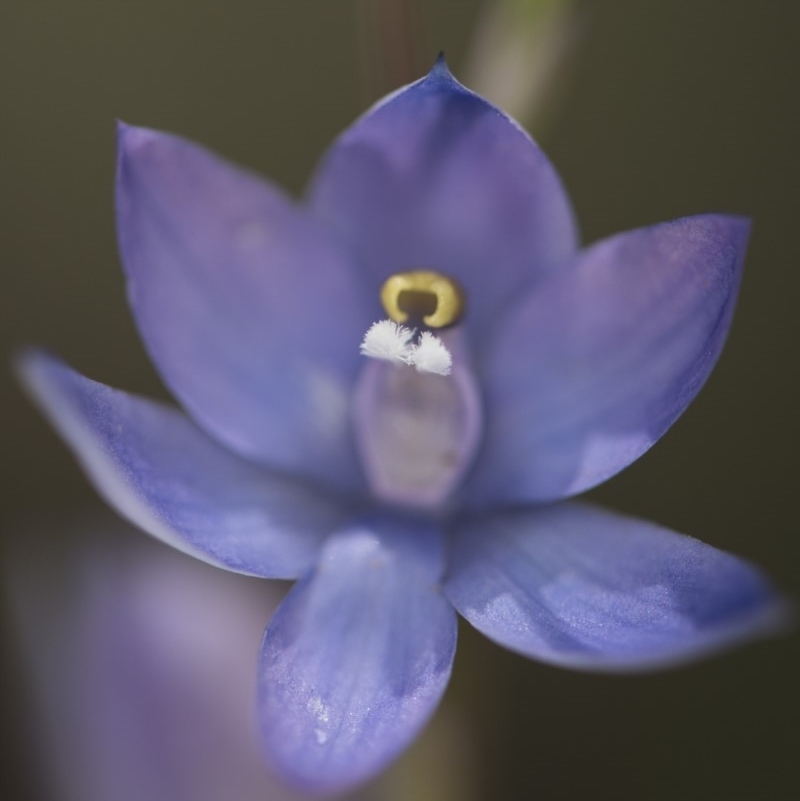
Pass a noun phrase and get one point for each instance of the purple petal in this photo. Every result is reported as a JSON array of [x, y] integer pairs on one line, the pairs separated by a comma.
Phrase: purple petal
[[585, 588], [595, 364], [436, 177], [143, 669], [249, 312], [357, 656], [159, 470]]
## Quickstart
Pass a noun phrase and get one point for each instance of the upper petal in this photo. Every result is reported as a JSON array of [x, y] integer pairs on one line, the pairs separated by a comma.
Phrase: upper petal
[[159, 470], [585, 588], [357, 655], [597, 362], [250, 313], [435, 177]]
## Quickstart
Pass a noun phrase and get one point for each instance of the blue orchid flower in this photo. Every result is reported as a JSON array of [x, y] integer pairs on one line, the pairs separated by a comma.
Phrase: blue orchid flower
[[391, 390]]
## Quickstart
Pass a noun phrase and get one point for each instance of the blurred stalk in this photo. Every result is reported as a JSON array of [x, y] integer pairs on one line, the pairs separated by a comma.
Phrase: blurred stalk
[[393, 44], [521, 54]]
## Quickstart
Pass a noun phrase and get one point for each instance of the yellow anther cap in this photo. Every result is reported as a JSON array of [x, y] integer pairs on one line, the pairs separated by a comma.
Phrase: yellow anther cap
[[425, 294]]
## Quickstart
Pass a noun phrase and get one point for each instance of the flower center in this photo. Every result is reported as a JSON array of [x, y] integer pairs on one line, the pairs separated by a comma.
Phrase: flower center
[[426, 299], [423, 294], [418, 416]]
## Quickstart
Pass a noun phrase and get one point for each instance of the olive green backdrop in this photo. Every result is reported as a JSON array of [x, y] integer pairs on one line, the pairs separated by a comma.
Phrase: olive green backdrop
[[673, 107]]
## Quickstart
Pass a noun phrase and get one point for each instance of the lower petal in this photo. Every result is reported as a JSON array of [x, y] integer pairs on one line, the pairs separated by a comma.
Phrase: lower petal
[[357, 656], [584, 588], [161, 472]]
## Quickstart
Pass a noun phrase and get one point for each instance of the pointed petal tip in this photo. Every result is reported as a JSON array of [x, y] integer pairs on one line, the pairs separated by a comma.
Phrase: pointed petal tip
[[125, 131], [741, 227], [440, 72], [129, 138], [729, 234], [731, 230], [21, 357], [735, 226], [27, 363], [132, 139], [135, 142]]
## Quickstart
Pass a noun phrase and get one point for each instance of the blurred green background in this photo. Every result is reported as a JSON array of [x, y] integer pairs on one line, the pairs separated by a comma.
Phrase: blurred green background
[[667, 108]]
